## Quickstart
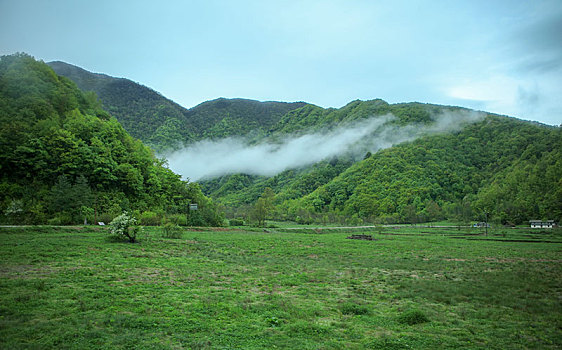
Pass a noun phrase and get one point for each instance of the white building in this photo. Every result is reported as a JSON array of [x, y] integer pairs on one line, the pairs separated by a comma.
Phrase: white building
[[542, 224]]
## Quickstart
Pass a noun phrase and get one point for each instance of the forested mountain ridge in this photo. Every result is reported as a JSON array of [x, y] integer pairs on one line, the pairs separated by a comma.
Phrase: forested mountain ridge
[[63, 158], [143, 112], [162, 123], [509, 168], [506, 167], [311, 118]]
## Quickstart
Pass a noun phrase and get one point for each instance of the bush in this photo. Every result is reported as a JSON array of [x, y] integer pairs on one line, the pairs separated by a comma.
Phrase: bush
[[171, 230], [150, 218], [61, 219], [106, 218], [350, 308], [178, 219], [236, 222], [124, 226], [413, 317], [272, 321]]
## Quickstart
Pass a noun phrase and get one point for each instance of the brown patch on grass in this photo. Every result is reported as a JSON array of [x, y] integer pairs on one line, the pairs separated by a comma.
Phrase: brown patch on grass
[[214, 229], [515, 260], [152, 276], [26, 271]]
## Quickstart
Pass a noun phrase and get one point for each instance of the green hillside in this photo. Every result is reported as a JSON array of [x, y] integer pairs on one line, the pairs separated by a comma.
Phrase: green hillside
[[63, 158], [506, 167], [162, 123], [502, 166]]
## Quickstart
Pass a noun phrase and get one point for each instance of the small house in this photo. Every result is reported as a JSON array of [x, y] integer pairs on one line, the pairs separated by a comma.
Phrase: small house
[[542, 224]]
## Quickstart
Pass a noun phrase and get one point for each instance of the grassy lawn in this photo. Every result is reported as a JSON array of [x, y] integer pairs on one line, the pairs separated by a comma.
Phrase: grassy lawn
[[409, 288]]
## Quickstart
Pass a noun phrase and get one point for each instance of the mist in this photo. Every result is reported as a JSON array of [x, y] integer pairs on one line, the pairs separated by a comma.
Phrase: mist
[[213, 158]]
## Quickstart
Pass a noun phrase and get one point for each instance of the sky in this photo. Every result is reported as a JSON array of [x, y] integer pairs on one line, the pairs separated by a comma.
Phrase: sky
[[498, 56]]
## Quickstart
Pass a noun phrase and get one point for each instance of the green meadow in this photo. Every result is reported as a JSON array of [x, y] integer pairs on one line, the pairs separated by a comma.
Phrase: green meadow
[[238, 288]]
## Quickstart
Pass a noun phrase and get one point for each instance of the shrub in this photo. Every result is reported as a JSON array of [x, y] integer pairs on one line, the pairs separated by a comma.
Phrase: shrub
[[236, 222], [171, 230], [105, 218], [150, 218], [272, 321], [178, 219], [124, 226], [61, 219], [350, 308], [413, 317]]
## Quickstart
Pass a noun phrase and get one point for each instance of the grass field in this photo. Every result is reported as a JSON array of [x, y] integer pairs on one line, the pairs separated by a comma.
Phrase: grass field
[[409, 288]]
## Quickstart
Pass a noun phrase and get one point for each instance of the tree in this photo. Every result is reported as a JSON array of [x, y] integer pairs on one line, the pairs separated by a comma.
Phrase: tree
[[124, 226], [409, 214], [269, 197], [433, 211], [70, 199], [260, 211], [61, 195], [264, 206]]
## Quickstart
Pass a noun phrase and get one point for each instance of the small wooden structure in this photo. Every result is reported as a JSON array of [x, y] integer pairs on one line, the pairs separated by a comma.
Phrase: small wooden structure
[[542, 224], [362, 237]]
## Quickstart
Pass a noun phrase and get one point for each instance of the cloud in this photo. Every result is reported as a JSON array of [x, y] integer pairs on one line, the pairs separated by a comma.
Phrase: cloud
[[538, 43], [212, 158]]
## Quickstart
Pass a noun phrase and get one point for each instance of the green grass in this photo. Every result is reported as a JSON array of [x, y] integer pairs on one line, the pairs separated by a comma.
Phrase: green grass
[[73, 288]]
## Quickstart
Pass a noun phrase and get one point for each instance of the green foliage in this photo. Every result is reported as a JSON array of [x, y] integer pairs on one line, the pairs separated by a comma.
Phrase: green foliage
[[352, 308], [14, 211], [124, 226], [162, 123], [499, 165], [488, 166], [150, 218], [60, 152], [179, 219], [171, 230], [263, 206], [412, 317], [70, 198], [236, 222]]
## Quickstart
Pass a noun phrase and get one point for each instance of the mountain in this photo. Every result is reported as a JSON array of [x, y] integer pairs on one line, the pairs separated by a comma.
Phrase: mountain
[[509, 168], [162, 123], [63, 158], [458, 169]]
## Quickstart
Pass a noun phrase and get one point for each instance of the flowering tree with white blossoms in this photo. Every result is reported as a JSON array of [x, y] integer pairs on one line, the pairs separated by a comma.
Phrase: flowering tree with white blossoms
[[124, 226]]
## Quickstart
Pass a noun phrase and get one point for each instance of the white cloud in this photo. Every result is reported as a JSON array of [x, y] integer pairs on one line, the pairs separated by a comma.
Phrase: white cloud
[[208, 159]]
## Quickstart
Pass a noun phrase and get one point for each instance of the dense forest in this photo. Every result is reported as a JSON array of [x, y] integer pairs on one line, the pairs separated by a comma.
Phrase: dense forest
[[63, 159], [163, 124], [505, 168]]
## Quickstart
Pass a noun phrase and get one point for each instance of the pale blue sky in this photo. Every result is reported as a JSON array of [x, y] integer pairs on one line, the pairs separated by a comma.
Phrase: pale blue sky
[[498, 56]]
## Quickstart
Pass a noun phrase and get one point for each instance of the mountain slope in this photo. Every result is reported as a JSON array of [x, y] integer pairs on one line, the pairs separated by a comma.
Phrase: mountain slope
[[506, 167], [500, 165], [63, 158], [162, 123]]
